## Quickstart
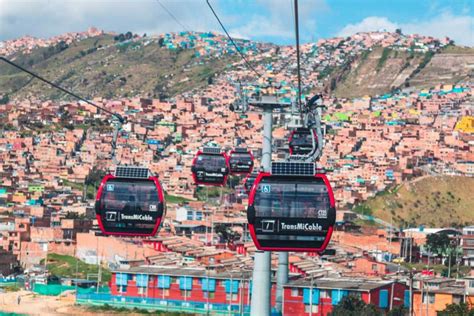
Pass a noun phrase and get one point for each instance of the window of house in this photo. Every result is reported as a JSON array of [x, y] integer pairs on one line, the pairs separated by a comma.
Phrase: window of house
[[325, 293], [471, 283], [141, 290], [374, 267], [430, 298], [294, 292], [122, 289], [209, 295], [457, 299], [232, 297], [166, 292], [186, 293], [311, 308]]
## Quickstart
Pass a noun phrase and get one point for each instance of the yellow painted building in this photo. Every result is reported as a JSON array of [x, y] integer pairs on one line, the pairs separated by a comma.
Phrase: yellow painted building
[[466, 124]]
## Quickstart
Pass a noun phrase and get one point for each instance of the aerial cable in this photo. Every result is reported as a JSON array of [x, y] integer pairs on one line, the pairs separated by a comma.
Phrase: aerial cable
[[232, 41], [173, 16], [118, 116], [297, 33]]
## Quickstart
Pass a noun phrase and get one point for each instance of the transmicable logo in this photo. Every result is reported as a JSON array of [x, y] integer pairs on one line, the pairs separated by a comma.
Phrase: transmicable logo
[[136, 217], [301, 226]]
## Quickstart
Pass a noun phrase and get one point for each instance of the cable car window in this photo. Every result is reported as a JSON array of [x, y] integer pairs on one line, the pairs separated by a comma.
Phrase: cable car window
[[291, 199], [210, 162], [139, 196]]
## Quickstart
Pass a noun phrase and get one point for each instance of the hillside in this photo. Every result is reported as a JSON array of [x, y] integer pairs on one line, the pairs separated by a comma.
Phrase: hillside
[[451, 65], [433, 201], [377, 72], [100, 66], [383, 69], [103, 66]]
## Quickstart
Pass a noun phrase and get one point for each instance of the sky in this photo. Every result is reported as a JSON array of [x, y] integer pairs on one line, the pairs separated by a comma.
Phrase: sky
[[261, 20]]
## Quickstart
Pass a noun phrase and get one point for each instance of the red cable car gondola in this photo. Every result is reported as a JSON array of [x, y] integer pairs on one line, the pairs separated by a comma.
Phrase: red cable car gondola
[[302, 141], [240, 161], [130, 203], [291, 209], [210, 167], [249, 181]]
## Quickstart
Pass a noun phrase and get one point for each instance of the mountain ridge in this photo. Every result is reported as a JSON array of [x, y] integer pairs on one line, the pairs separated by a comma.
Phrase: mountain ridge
[[166, 65]]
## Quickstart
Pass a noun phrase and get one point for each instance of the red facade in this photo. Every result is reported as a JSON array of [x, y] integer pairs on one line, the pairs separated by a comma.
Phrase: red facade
[[294, 305]]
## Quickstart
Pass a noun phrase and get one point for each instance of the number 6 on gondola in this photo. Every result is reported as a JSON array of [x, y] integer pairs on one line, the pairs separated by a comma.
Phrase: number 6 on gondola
[[291, 209]]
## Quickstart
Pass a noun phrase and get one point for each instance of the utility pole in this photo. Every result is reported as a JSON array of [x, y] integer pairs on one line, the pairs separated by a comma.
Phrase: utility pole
[[410, 312], [261, 291]]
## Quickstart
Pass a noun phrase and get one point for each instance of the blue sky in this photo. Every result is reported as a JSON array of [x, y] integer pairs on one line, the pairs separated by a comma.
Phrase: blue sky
[[263, 20]]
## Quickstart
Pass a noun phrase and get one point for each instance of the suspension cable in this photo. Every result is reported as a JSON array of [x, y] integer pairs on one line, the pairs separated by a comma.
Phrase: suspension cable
[[297, 33], [232, 41], [52, 84], [173, 16]]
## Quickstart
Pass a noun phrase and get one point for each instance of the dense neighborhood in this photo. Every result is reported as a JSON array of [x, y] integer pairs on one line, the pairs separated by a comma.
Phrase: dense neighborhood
[[53, 154]]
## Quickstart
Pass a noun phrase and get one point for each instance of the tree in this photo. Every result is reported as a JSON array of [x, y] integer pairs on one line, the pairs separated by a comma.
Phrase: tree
[[353, 306], [461, 309], [161, 42], [438, 244], [398, 31], [226, 233], [5, 99], [94, 177], [398, 311], [128, 35]]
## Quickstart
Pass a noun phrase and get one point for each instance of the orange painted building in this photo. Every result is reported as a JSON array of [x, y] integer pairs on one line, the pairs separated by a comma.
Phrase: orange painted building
[[435, 297]]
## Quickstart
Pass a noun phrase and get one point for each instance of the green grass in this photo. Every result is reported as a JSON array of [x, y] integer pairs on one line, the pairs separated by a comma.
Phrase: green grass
[[438, 268], [426, 201], [173, 199], [125, 310], [365, 223], [65, 266], [363, 209], [452, 49], [11, 288], [73, 185], [385, 53]]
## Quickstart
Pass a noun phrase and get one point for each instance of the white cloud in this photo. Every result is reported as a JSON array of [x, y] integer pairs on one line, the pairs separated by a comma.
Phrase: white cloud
[[45, 18], [278, 21], [460, 28], [52, 17], [371, 23]]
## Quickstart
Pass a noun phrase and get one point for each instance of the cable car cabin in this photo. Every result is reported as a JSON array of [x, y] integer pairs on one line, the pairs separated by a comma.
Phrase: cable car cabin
[[210, 167], [240, 161], [291, 209], [130, 203], [302, 141], [249, 181]]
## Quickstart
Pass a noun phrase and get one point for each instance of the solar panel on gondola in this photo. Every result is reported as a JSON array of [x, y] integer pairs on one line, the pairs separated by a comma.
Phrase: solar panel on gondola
[[302, 141], [210, 167], [291, 209], [240, 161], [130, 203]]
